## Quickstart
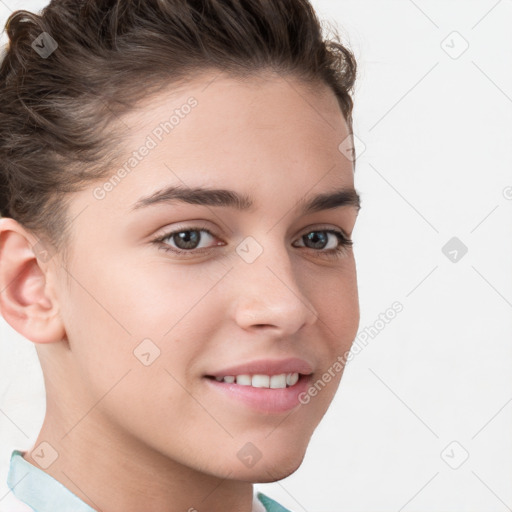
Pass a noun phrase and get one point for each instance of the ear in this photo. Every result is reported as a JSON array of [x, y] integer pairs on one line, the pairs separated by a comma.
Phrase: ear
[[27, 301]]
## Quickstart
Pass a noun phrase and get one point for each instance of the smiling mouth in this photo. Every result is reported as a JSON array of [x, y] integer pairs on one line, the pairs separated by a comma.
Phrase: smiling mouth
[[280, 381], [267, 393]]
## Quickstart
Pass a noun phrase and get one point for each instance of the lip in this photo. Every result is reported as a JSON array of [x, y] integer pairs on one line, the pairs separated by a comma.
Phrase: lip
[[266, 401], [266, 367]]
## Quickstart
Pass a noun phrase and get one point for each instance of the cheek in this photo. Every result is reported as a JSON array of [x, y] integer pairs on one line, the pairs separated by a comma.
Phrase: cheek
[[334, 295], [164, 316], [152, 298], [116, 323]]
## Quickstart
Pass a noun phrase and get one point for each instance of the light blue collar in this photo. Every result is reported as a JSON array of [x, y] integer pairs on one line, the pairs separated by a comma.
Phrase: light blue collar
[[39, 490]]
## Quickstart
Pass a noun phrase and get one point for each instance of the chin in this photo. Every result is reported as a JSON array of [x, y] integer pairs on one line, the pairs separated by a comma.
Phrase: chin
[[270, 468]]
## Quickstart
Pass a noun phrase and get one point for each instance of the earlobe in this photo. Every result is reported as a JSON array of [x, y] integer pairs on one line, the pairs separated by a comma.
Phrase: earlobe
[[26, 301]]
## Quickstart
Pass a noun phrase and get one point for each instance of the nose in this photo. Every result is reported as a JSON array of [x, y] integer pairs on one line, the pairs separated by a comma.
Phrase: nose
[[269, 295]]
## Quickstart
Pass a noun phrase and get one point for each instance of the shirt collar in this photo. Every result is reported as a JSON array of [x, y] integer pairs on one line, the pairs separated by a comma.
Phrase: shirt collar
[[39, 490]]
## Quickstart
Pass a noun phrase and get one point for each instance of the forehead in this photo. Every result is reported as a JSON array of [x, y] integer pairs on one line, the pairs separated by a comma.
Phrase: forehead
[[229, 106], [267, 135]]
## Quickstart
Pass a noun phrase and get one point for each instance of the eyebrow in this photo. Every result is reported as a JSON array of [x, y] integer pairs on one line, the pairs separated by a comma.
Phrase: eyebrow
[[231, 199]]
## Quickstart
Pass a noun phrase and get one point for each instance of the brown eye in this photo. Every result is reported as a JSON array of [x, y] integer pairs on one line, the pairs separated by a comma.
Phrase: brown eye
[[187, 240]]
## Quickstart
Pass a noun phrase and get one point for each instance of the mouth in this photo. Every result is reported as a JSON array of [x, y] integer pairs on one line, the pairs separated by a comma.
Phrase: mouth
[[265, 386]]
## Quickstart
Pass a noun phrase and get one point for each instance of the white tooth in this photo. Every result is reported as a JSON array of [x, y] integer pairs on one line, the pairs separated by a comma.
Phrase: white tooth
[[219, 379], [292, 378], [229, 379], [243, 380], [278, 381], [260, 381]]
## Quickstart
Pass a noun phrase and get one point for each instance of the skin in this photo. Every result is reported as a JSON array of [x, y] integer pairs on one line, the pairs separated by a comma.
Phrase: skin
[[171, 441]]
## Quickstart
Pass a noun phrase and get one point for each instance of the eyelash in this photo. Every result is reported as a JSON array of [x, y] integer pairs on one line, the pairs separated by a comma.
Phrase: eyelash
[[344, 242]]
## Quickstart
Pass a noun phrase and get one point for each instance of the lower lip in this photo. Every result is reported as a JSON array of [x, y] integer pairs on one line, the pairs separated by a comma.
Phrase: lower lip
[[265, 400]]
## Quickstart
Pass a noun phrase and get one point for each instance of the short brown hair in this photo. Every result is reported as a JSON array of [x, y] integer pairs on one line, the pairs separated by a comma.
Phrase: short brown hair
[[57, 111]]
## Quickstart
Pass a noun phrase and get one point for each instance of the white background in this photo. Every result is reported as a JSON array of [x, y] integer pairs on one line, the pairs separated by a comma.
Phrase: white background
[[433, 386]]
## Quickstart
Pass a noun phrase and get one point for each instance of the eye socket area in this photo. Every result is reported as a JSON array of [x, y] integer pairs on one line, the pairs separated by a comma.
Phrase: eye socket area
[[329, 240], [187, 239]]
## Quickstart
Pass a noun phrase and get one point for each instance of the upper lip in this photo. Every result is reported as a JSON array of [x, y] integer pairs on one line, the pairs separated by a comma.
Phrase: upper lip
[[266, 367]]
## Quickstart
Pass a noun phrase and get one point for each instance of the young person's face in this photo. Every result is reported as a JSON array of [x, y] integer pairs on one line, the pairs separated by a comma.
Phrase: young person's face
[[148, 329]]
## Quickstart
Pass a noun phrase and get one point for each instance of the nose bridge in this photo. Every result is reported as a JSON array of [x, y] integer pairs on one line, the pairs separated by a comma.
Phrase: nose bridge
[[268, 291]]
